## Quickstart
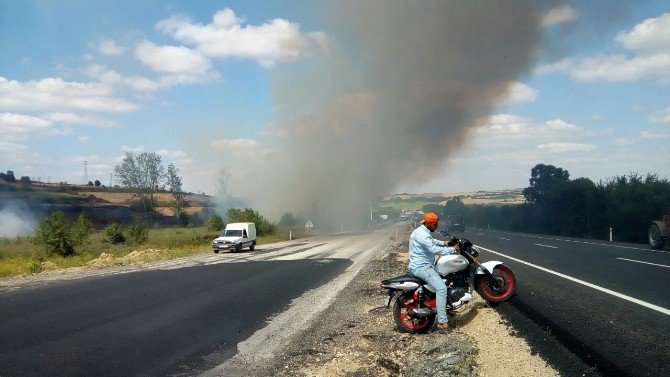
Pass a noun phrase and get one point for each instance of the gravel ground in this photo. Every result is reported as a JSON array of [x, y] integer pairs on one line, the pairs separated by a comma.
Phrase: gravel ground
[[357, 337]]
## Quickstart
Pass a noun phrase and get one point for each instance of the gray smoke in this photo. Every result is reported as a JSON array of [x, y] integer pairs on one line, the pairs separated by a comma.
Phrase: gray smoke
[[394, 97]]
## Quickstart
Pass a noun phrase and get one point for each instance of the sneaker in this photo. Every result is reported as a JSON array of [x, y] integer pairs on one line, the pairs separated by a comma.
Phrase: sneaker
[[444, 327], [466, 297]]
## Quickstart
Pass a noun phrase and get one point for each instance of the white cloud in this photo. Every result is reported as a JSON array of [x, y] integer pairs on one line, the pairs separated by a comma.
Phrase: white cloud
[[179, 157], [566, 147], [277, 40], [651, 36], [55, 94], [244, 148], [650, 40], [11, 123], [235, 143], [84, 139], [13, 154], [662, 116], [109, 47], [559, 15], [71, 118], [655, 134], [140, 83], [506, 128], [173, 59], [136, 149], [520, 93]]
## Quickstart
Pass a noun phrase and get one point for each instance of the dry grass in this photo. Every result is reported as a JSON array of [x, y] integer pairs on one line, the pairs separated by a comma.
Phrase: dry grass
[[19, 256]]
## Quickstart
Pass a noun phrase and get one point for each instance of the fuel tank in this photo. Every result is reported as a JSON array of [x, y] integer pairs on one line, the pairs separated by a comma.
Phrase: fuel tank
[[447, 264]]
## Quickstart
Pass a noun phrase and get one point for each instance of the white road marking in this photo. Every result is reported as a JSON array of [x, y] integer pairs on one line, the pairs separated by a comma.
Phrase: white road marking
[[590, 285], [503, 238], [639, 261], [576, 241], [539, 244]]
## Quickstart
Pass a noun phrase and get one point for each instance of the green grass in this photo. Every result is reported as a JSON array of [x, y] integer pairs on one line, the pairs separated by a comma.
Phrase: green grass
[[19, 256]]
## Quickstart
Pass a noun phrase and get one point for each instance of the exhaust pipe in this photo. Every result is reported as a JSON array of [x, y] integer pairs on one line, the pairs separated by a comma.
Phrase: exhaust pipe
[[422, 312]]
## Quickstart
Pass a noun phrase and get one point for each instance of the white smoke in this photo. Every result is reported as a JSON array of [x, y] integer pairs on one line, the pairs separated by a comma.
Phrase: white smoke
[[16, 219]]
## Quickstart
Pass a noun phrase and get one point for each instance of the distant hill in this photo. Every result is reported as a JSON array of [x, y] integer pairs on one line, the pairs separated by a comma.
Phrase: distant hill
[[509, 196]]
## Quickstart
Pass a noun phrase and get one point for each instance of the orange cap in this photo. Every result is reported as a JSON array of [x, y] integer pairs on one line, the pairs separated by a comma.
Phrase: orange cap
[[430, 217]]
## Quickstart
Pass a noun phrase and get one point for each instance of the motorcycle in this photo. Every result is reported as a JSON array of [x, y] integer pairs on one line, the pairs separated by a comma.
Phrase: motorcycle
[[414, 309]]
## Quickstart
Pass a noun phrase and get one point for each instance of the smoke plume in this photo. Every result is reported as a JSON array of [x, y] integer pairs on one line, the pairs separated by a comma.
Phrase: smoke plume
[[394, 96], [16, 219]]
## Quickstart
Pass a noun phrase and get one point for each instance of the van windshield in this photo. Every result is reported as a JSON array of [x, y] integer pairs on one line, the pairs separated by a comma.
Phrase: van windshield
[[232, 233]]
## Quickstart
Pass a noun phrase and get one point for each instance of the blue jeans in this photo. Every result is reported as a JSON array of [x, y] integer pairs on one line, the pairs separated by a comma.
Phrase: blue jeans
[[430, 276]]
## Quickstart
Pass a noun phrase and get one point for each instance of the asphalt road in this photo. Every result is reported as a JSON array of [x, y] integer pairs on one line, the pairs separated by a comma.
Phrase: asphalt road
[[183, 317], [590, 307]]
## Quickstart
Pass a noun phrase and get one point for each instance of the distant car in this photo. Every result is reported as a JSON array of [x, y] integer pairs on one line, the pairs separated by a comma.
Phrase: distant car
[[455, 223]]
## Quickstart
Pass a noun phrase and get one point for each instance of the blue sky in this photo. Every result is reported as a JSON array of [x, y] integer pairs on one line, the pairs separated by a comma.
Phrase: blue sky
[[195, 81]]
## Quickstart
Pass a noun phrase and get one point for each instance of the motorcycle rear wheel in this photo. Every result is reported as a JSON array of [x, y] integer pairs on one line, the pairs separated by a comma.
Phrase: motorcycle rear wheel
[[498, 290], [403, 305]]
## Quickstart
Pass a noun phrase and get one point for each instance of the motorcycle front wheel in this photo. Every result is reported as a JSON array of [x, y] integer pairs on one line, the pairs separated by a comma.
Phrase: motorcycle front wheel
[[499, 288], [403, 305]]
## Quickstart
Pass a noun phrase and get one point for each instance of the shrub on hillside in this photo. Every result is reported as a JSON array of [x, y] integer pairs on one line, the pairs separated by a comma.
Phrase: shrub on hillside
[[138, 233], [55, 235], [215, 222], [114, 234]]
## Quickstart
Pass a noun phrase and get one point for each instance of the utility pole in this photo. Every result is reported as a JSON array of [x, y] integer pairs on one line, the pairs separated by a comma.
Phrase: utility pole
[[110, 179], [85, 172]]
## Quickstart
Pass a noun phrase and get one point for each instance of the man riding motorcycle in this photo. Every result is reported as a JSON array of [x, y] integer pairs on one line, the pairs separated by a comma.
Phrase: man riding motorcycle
[[422, 250]]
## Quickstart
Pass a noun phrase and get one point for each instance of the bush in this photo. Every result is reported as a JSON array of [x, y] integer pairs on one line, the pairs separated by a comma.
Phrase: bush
[[114, 234], [82, 228], [215, 222], [138, 233], [55, 235], [184, 220], [263, 226]]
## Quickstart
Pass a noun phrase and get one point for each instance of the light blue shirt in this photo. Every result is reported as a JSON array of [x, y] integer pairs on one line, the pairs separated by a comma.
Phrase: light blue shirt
[[423, 247]]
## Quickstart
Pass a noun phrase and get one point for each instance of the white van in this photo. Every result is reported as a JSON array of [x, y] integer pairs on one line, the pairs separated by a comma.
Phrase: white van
[[235, 237]]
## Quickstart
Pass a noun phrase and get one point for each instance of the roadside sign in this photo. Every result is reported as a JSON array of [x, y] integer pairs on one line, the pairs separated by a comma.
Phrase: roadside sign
[[309, 224]]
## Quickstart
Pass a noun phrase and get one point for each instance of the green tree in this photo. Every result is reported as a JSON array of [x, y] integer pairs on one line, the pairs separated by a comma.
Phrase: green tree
[[287, 219], [215, 222], [9, 176], [144, 174], [174, 185], [263, 226]]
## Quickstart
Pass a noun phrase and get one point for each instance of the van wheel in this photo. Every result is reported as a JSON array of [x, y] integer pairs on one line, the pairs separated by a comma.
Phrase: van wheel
[[216, 251], [238, 247], [253, 246]]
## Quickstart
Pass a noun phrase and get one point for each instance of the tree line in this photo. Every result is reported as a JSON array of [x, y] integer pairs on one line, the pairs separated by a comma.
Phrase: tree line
[[558, 205]]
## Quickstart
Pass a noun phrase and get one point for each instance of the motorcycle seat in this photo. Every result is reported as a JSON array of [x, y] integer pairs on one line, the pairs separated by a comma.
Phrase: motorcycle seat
[[404, 278]]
